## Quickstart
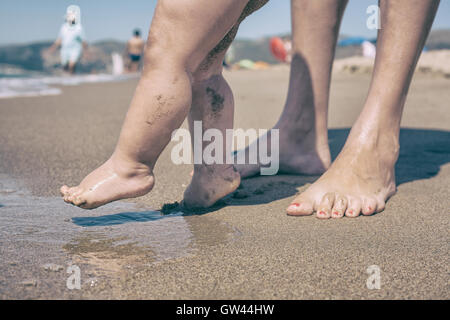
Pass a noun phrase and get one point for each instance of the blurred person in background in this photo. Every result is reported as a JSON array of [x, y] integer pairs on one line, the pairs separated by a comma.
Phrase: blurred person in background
[[135, 49], [71, 40]]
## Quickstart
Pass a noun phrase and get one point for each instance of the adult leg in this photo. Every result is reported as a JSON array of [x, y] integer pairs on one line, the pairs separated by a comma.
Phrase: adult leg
[[303, 123], [362, 177], [181, 35], [213, 105]]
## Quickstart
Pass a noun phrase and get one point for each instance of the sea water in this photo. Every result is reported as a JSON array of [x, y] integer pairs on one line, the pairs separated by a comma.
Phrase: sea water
[[27, 85], [36, 232]]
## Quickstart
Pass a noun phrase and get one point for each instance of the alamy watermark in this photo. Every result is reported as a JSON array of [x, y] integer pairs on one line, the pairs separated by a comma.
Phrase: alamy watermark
[[74, 280], [373, 21], [374, 280], [219, 149]]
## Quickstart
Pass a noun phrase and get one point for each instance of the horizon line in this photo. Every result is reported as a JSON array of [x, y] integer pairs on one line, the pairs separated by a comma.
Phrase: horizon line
[[281, 34]]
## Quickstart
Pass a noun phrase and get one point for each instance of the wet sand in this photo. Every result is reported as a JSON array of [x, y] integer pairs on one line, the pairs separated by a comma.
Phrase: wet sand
[[246, 248]]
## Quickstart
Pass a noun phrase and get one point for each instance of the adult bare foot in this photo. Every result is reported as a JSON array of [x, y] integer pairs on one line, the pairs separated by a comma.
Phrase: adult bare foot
[[112, 181], [360, 180], [303, 144], [362, 177], [299, 150], [209, 184]]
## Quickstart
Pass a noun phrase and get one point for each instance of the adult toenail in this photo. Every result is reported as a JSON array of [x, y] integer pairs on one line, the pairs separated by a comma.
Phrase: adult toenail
[[295, 204], [322, 213]]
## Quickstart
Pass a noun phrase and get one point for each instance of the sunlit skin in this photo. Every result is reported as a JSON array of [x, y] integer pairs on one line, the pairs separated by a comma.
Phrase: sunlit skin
[[177, 51], [182, 69], [362, 177], [303, 122], [213, 105]]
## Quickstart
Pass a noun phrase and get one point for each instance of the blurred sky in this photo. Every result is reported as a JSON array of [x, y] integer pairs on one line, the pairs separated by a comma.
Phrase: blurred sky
[[23, 21]]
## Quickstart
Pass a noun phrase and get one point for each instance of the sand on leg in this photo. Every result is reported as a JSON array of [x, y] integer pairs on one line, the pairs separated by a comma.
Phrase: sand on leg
[[178, 43], [362, 177], [303, 132], [213, 105]]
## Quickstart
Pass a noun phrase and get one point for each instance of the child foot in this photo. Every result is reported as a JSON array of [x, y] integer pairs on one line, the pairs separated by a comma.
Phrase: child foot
[[209, 184], [112, 181]]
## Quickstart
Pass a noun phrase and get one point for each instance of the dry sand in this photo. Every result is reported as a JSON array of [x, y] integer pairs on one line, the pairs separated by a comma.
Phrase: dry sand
[[247, 248], [436, 62]]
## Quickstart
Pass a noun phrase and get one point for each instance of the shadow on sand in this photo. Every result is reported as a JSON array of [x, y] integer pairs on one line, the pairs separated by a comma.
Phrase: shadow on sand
[[121, 218], [422, 153]]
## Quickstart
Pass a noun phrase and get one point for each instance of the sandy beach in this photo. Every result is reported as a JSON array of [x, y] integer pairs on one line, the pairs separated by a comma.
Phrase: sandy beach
[[244, 248]]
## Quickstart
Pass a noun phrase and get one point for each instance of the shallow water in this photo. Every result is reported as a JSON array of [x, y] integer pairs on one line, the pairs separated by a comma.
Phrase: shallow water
[[38, 231], [41, 237]]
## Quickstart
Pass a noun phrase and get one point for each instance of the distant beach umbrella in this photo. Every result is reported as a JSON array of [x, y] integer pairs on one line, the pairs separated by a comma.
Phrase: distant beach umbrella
[[278, 49]]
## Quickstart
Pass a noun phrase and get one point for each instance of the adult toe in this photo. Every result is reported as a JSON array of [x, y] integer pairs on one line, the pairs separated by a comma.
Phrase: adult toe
[[301, 206], [381, 205], [325, 206], [353, 207], [369, 206], [340, 206]]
